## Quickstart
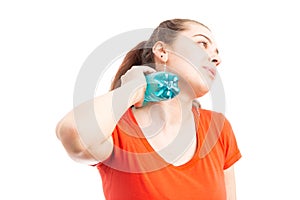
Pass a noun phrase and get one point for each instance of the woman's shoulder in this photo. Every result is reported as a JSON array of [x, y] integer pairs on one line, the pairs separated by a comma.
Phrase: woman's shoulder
[[205, 112], [211, 118], [210, 113]]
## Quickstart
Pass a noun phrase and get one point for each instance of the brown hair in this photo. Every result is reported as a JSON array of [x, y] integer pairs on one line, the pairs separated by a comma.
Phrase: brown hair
[[142, 54]]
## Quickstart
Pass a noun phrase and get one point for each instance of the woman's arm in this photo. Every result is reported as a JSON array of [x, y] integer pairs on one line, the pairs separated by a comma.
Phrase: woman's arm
[[230, 183], [85, 132]]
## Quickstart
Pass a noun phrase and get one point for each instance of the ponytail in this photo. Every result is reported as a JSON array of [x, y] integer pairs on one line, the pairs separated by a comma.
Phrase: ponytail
[[133, 57]]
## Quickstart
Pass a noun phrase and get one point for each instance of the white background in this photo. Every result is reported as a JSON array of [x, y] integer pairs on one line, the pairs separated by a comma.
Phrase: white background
[[43, 45]]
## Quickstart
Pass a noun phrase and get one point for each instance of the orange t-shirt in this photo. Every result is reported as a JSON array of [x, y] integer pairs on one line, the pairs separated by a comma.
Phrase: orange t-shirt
[[135, 171]]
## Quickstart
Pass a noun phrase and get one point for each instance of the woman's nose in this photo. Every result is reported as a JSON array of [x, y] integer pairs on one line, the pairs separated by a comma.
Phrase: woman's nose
[[215, 60], [214, 57]]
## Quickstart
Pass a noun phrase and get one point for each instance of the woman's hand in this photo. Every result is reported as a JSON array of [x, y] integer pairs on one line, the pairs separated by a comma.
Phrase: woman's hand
[[137, 74]]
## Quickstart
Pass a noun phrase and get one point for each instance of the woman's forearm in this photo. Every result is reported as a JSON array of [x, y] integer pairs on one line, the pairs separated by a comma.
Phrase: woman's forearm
[[95, 120], [85, 130], [230, 183]]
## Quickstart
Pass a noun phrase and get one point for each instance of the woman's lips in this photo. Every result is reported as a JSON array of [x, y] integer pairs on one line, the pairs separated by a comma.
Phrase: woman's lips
[[211, 71]]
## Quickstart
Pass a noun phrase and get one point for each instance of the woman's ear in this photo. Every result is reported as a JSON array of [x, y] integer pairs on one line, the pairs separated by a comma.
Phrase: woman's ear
[[160, 52]]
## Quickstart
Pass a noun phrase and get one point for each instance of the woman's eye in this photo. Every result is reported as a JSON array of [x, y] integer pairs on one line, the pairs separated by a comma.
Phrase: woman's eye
[[202, 43]]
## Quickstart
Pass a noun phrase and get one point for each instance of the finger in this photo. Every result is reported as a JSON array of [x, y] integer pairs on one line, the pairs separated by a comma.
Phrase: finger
[[146, 69]]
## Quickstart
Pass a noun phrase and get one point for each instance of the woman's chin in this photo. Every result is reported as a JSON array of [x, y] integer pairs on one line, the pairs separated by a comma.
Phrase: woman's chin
[[201, 92]]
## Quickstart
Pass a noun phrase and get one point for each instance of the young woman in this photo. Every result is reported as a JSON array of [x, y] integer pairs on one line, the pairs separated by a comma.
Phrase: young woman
[[169, 149]]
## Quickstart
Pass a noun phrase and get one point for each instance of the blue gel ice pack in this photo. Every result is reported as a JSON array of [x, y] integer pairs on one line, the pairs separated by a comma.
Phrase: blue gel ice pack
[[161, 86]]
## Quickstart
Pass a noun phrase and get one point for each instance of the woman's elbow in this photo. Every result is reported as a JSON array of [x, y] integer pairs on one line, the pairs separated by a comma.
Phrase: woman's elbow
[[67, 134]]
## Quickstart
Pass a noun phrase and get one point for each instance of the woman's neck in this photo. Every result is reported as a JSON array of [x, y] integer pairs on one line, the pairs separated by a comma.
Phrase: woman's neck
[[167, 113], [177, 108]]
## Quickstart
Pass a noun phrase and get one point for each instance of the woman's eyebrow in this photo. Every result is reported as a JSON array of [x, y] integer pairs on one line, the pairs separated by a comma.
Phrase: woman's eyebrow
[[203, 36]]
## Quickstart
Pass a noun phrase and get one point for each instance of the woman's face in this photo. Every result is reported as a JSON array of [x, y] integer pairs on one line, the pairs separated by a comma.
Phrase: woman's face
[[194, 57]]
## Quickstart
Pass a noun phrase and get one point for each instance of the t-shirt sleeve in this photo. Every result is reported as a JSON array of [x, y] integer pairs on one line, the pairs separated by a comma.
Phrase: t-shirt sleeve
[[231, 149]]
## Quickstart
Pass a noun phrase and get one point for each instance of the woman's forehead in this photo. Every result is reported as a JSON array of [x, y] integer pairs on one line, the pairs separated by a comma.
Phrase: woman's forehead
[[194, 29]]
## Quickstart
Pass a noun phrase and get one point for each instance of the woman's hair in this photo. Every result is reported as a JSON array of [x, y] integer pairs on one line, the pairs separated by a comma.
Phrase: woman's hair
[[142, 54]]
